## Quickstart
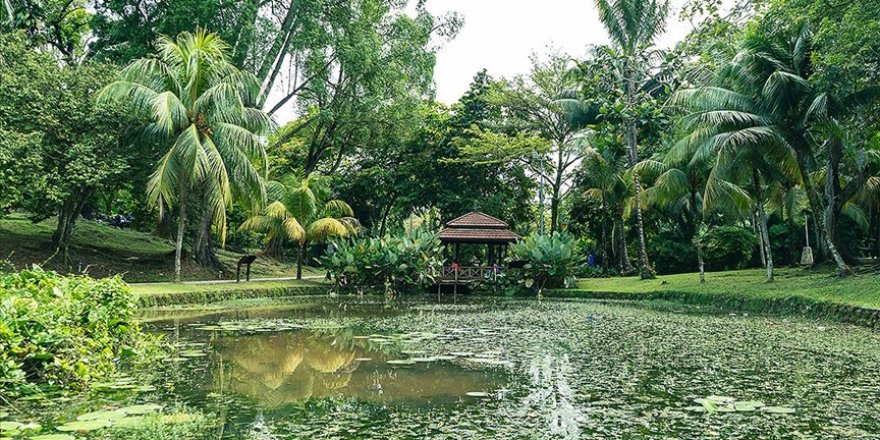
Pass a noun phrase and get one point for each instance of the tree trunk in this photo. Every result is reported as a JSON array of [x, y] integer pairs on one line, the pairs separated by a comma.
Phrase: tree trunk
[[554, 211], [299, 260], [621, 249], [275, 248], [645, 269], [757, 230], [203, 245], [604, 234], [181, 230], [816, 206], [762, 223], [66, 226], [700, 262]]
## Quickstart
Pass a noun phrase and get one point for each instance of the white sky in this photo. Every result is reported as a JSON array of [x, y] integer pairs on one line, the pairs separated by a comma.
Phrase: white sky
[[499, 35]]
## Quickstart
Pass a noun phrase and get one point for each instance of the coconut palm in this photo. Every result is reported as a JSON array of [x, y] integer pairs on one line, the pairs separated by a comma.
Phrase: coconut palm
[[678, 189], [743, 161], [633, 25], [603, 171], [301, 213], [201, 107], [764, 100]]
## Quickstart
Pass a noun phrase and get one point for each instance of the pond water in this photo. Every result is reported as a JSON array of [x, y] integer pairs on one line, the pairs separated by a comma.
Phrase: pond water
[[487, 368]]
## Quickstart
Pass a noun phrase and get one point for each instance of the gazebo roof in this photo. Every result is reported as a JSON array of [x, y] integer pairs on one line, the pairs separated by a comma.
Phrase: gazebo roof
[[476, 227]]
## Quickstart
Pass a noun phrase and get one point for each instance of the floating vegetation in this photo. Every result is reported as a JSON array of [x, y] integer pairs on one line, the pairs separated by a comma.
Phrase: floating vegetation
[[724, 404], [84, 426], [489, 368]]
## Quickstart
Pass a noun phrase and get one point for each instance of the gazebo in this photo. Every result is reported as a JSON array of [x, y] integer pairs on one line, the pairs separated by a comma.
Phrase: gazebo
[[479, 229]]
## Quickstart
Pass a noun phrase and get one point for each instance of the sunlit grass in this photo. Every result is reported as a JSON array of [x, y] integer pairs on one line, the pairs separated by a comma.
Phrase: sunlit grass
[[856, 290]]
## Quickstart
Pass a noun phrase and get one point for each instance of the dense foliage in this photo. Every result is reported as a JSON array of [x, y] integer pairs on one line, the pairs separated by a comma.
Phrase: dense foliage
[[759, 120], [549, 262], [729, 247], [58, 332], [393, 264]]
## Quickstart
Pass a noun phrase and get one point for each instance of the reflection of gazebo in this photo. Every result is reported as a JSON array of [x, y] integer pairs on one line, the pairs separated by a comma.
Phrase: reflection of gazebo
[[480, 229]]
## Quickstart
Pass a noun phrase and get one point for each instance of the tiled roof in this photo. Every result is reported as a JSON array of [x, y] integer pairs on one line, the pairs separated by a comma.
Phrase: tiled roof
[[477, 235], [477, 220]]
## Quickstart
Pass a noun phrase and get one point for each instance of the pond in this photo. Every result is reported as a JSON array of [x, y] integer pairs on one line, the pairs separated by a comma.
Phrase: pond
[[364, 368]]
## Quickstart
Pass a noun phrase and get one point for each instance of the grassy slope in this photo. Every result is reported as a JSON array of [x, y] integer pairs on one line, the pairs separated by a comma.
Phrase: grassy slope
[[106, 251], [858, 290]]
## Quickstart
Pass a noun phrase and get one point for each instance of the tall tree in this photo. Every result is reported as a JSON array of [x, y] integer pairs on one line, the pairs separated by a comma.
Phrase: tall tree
[[541, 132], [633, 25], [201, 106], [764, 100], [51, 107]]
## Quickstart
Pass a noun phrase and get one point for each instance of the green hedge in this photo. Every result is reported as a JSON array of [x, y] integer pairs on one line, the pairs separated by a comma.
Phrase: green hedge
[[213, 296]]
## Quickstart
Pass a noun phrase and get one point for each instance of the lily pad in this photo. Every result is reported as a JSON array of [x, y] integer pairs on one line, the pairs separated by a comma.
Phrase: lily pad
[[52, 437], [136, 410], [721, 399], [101, 415], [11, 426], [84, 426]]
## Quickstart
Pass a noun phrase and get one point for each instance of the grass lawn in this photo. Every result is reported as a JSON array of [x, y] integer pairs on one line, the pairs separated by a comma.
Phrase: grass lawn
[[861, 290], [103, 250]]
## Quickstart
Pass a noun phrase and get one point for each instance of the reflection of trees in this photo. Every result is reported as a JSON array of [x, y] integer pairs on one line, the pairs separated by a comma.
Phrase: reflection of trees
[[290, 368]]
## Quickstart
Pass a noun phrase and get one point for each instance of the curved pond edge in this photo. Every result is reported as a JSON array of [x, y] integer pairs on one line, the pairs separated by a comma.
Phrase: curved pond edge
[[793, 305], [221, 295]]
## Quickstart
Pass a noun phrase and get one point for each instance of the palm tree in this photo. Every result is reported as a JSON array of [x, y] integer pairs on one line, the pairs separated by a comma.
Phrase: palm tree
[[633, 25], [761, 103], [301, 213], [679, 188], [202, 107], [603, 171]]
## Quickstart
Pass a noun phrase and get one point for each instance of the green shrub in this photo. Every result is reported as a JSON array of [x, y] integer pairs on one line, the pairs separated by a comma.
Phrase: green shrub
[[64, 331], [551, 262], [728, 247], [671, 254], [391, 264]]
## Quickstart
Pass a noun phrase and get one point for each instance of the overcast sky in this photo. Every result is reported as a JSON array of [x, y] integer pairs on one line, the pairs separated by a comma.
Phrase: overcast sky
[[499, 35]]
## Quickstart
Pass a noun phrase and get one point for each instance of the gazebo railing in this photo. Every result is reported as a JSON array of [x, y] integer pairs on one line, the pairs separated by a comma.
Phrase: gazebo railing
[[469, 273]]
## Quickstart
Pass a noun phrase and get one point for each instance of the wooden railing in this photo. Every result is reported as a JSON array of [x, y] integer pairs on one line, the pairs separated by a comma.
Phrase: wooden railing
[[469, 273]]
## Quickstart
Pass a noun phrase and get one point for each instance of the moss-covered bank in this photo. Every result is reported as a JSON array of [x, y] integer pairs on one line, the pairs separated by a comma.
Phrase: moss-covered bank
[[230, 292], [795, 292]]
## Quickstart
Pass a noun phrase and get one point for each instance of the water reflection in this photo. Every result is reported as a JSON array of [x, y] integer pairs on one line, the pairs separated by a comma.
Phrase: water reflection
[[290, 368]]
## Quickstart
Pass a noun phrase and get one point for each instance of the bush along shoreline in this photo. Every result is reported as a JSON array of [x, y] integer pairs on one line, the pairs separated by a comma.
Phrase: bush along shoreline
[[62, 333]]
